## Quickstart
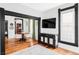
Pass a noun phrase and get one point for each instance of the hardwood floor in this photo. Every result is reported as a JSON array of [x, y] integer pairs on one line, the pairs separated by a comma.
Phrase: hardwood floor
[[11, 47], [63, 51]]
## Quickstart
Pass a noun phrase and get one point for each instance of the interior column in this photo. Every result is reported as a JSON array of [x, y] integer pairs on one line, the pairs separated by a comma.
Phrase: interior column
[[2, 32]]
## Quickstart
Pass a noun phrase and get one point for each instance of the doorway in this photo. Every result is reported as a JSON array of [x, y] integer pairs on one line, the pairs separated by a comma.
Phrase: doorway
[[4, 12], [20, 31]]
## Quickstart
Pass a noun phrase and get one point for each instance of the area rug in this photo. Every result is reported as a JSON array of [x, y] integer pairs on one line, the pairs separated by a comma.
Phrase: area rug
[[35, 50]]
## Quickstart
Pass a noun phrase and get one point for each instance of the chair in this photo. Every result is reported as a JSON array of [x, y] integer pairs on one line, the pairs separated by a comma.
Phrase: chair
[[29, 39], [18, 37], [27, 36]]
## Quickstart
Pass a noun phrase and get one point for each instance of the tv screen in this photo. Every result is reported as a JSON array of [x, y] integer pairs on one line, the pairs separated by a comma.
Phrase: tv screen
[[49, 23]]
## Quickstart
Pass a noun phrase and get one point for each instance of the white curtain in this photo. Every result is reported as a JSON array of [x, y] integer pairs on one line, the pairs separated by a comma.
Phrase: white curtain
[[67, 26]]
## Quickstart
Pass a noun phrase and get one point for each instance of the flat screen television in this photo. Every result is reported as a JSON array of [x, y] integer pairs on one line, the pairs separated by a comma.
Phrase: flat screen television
[[49, 23]]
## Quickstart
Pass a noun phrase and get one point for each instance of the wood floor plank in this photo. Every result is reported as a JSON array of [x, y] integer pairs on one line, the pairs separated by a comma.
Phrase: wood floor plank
[[11, 47]]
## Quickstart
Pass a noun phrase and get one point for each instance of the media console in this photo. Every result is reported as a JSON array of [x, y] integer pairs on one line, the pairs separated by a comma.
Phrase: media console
[[47, 39]]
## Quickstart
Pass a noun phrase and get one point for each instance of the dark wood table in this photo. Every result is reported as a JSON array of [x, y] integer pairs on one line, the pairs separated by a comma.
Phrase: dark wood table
[[23, 36]]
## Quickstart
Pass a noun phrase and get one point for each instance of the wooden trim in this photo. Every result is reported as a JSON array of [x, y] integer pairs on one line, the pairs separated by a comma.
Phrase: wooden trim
[[39, 20], [2, 31], [11, 13], [67, 8], [7, 27], [76, 25]]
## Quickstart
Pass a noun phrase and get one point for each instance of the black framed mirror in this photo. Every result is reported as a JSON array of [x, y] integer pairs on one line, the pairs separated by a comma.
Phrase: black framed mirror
[[68, 25], [18, 25]]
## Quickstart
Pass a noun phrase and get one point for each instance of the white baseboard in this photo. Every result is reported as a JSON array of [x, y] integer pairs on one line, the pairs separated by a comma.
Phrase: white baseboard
[[68, 47]]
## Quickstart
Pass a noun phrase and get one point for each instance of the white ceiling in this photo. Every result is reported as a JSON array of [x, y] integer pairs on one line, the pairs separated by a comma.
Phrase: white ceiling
[[41, 6]]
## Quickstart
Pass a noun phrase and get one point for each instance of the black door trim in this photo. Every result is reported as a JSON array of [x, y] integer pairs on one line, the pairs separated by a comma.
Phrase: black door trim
[[4, 12], [11, 13], [2, 31], [76, 25]]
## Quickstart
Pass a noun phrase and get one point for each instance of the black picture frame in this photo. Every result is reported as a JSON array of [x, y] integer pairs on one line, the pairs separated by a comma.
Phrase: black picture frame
[[76, 25]]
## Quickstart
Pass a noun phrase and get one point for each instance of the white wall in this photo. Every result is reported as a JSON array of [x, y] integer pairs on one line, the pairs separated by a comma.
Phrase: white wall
[[11, 32], [17, 7], [36, 29], [52, 13], [26, 25], [31, 28]]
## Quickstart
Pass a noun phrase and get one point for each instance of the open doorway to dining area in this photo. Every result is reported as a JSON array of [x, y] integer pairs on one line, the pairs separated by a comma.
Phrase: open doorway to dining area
[[20, 33]]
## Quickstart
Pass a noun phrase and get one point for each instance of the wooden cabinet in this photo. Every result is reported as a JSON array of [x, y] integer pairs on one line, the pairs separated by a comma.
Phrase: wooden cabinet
[[47, 39]]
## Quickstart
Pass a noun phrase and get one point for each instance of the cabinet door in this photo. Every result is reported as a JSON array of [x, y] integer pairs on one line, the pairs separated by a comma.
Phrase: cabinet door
[[42, 39], [51, 41], [46, 40]]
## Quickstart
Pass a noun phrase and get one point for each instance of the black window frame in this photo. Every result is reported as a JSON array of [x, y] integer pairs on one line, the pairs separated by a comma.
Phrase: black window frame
[[76, 25]]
